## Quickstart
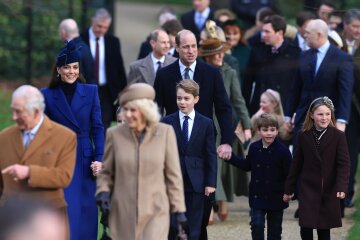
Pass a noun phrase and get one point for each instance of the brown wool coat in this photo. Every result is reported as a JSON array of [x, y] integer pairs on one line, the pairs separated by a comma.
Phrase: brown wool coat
[[320, 174], [145, 182], [50, 156]]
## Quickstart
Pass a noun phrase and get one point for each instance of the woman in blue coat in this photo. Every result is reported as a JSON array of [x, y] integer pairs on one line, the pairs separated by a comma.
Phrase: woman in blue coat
[[76, 106]]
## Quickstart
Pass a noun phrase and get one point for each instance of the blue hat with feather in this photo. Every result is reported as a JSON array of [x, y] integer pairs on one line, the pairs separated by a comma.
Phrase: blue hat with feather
[[69, 54]]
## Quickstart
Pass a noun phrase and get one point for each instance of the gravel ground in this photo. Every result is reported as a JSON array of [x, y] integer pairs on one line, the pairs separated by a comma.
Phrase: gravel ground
[[237, 225]]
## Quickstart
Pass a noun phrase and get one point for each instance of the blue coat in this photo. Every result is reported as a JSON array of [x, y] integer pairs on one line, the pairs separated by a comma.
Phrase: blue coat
[[84, 118], [212, 94], [198, 159], [269, 168]]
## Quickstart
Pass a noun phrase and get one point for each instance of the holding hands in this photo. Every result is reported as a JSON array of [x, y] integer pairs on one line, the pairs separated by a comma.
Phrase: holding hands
[[287, 197], [224, 151], [96, 167], [209, 190]]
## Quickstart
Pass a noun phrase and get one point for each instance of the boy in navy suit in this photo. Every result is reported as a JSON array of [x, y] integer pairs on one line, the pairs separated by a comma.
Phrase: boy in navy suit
[[196, 145], [269, 161]]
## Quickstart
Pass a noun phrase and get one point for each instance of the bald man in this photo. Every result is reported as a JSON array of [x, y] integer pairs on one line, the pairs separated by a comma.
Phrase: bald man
[[37, 155], [324, 70], [68, 30]]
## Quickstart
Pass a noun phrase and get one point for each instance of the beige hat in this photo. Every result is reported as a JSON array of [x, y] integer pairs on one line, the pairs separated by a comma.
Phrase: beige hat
[[136, 91]]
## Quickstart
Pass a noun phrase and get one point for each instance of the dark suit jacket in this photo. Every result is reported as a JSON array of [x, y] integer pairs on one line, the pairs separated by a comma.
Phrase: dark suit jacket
[[267, 70], [87, 62], [114, 65], [198, 159], [212, 94], [187, 21], [334, 78]]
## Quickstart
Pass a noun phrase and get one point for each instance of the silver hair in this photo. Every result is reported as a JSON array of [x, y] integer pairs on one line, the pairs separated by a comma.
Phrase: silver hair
[[101, 14], [319, 26], [148, 108], [351, 14], [69, 26], [34, 100]]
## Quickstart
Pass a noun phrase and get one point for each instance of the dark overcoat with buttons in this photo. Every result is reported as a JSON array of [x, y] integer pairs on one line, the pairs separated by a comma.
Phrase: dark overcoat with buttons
[[319, 174], [270, 70], [269, 168]]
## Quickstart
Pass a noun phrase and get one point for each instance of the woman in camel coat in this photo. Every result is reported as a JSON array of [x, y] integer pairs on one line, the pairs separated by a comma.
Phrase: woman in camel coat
[[141, 170]]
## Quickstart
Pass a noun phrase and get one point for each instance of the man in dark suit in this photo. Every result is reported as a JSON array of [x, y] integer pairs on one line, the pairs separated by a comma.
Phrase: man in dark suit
[[109, 69], [212, 93], [68, 30], [196, 145], [271, 65], [324, 70], [144, 70], [302, 19], [195, 19], [351, 40]]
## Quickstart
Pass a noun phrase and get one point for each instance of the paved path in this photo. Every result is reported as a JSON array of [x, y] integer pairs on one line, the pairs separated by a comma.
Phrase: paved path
[[133, 22]]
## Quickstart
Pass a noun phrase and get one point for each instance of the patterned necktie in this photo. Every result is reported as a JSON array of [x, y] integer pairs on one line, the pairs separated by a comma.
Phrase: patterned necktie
[[96, 61], [185, 130], [159, 66], [186, 75]]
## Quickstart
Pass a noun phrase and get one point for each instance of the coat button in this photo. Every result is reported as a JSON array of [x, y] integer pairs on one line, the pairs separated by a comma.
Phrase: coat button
[[255, 196], [257, 180], [257, 165]]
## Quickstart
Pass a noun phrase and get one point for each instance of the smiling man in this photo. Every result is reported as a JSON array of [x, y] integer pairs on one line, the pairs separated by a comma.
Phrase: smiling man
[[37, 155]]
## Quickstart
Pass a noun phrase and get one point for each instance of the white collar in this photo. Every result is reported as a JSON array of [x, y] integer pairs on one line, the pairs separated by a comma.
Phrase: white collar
[[92, 35], [191, 115], [182, 66], [323, 49], [35, 129], [155, 60]]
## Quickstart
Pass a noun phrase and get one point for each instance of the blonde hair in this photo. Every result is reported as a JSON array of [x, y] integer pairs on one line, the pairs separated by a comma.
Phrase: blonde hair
[[321, 101], [148, 109], [275, 98]]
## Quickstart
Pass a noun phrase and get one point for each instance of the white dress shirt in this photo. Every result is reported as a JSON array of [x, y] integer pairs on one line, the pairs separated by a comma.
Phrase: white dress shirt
[[32, 132], [190, 121], [155, 61], [321, 54], [92, 42], [191, 71], [200, 17]]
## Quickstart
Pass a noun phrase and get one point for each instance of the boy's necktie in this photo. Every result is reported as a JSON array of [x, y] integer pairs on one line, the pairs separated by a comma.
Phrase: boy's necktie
[[185, 130]]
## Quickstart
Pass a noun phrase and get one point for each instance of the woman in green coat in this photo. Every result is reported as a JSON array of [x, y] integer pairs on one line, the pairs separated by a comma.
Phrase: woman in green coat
[[230, 180]]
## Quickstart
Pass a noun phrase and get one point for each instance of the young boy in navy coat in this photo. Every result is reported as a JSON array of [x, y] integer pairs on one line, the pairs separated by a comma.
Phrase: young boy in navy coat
[[269, 161], [196, 145]]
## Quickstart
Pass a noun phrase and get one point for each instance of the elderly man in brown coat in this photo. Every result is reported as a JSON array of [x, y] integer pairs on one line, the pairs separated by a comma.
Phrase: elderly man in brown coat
[[37, 155]]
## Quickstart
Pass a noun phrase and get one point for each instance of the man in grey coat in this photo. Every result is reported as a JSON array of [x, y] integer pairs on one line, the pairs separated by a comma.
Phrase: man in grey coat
[[144, 70]]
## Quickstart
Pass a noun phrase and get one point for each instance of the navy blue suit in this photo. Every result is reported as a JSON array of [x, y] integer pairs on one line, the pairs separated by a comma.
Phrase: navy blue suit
[[334, 78], [198, 165], [212, 94], [83, 116]]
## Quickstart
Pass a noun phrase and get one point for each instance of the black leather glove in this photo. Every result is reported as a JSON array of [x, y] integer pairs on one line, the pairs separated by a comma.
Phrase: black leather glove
[[103, 201], [182, 226]]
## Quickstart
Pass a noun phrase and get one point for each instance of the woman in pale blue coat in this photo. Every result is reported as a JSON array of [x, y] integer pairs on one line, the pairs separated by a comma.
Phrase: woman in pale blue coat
[[76, 106]]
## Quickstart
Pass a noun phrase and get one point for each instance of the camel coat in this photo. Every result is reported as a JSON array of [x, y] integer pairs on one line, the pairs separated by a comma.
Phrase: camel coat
[[145, 182], [50, 156], [320, 174]]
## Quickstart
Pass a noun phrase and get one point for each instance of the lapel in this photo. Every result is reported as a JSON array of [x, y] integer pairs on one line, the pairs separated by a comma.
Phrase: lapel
[[199, 73], [326, 140], [17, 140], [312, 148], [325, 63], [175, 122], [41, 137], [195, 128], [63, 106], [79, 99], [147, 70]]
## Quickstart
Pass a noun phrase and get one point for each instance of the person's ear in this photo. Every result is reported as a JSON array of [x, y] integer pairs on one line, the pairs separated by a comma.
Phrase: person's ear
[[197, 98]]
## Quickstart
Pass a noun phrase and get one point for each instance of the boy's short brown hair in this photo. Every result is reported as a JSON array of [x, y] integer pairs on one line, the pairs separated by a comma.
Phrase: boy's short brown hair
[[189, 86], [267, 120]]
